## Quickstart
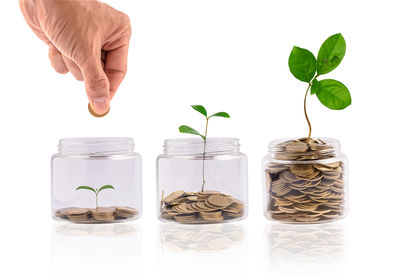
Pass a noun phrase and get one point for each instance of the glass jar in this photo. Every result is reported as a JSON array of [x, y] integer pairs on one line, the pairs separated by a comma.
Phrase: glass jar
[[96, 180], [200, 182], [305, 183]]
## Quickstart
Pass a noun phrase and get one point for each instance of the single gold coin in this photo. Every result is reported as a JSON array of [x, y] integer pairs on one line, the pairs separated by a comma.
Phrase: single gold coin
[[91, 110], [78, 211], [174, 196], [103, 214], [126, 210], [296, 147], [220, 201]]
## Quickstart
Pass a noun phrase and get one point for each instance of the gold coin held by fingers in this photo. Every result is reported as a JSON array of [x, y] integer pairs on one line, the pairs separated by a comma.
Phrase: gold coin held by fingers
[[91, 110]]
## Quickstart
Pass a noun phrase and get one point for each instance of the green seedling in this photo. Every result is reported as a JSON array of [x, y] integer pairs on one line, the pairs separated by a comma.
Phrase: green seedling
[[306, 68], [96, 191], [190, 130]]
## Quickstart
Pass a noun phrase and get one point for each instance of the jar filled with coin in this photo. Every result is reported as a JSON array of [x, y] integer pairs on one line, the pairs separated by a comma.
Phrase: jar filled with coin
[[96, 180], [202, 184], [305, 181]]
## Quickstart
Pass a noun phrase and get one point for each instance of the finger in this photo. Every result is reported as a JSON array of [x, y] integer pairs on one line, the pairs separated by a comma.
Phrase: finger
[[103, 58], [73, 68], [116, 67], [56, 60], [97, 85]]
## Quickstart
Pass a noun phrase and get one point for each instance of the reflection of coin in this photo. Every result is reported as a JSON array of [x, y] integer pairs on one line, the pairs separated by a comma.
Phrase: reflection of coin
[[200, 238], [91, 110]]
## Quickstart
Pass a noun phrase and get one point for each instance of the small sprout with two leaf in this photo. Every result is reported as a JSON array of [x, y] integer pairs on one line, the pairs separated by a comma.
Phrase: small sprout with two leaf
[[306, 68], [190, 130], [95, 190]]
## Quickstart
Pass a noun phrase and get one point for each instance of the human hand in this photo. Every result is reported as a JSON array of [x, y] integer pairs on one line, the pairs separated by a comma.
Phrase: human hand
[[87, 38]]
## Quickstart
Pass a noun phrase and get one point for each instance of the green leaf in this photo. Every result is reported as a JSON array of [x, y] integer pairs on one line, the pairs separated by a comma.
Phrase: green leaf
[[200, 109], [302, 64], [189, 130], [87, 188], [221, 114], [315, 85], [105, 187], [331, 54], [333, 94]]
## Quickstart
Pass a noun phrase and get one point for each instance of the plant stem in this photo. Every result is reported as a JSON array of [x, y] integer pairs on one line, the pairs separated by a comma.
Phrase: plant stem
[[305, 110], [305, 113], [204, 154], [97, 205]]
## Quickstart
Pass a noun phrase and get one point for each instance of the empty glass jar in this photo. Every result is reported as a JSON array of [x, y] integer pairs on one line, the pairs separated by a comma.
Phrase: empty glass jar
[[201, 182], [96, 180], [305, 182]]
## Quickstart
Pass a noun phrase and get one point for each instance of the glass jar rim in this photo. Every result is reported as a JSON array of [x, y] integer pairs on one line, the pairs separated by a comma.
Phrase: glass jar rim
[[96, 146], [195, 146]]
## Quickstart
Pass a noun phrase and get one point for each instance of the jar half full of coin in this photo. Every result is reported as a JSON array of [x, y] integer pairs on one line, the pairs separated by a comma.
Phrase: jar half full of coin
[[305, 182], [202, 184]]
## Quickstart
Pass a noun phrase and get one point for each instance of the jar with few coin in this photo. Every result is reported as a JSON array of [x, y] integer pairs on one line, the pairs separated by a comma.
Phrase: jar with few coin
[[96, 180], [202, 182], [305, 181]]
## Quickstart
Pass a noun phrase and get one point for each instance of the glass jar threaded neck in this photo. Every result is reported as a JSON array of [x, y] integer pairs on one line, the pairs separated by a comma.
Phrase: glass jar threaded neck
[[96, 146], [195, 146]]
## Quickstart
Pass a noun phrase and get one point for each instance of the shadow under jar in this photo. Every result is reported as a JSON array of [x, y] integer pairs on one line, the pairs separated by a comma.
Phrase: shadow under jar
[[96, 180], [201, 182], [305, 183]]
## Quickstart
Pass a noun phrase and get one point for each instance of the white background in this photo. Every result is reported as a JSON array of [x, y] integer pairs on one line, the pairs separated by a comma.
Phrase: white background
[[229, 56]]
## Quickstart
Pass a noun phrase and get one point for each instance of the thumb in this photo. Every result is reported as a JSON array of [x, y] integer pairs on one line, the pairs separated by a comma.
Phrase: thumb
[[97, 86]]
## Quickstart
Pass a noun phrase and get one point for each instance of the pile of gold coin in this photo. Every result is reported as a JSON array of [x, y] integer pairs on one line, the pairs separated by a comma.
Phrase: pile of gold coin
[[100, 214], [201, 207], [308, 192]]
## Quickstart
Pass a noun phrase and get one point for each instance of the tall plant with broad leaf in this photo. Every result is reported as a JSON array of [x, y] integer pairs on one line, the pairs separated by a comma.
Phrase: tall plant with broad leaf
[[190, 130], [306, 68], [96, 191]]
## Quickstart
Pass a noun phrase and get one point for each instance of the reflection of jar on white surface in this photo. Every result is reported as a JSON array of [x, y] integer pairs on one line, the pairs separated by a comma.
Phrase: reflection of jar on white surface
[[96, 180], [306, 248], [96, 248], [305, 183], [199, 238], [197, 186]]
